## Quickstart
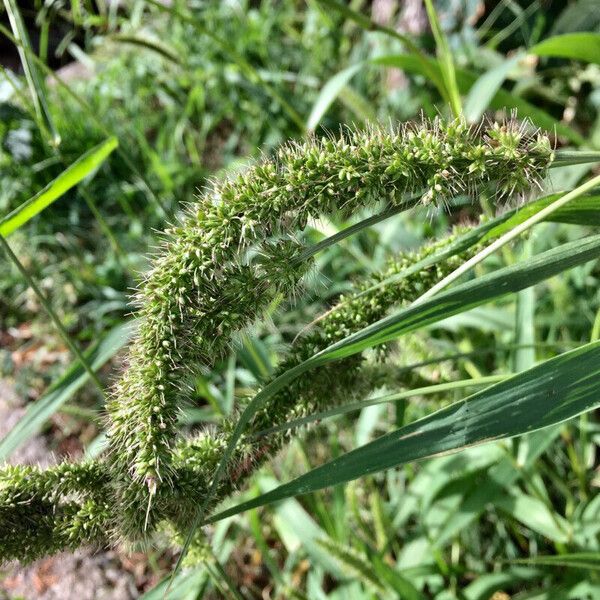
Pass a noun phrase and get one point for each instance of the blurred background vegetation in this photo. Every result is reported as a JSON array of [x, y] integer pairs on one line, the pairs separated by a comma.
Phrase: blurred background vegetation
[[197, 89]]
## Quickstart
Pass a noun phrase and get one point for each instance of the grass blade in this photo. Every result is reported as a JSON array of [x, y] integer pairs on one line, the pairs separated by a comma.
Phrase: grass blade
[[512, 234], [525, 329], [550, 393], [330, 91], [149, 44], [79, 170], [584, 210], [584, 46], [486, 87], [573, 560], [446, 61], [37, 86]]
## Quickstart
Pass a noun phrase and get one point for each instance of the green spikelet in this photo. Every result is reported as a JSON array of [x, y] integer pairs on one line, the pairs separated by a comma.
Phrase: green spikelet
[[45, 511]]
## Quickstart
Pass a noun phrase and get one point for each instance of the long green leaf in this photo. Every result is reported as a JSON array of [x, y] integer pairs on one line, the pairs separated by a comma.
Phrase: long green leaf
[[63, 389], [330, 91], [584, 210], [69, 178], [550, 393], [583, 46], [35, 81]]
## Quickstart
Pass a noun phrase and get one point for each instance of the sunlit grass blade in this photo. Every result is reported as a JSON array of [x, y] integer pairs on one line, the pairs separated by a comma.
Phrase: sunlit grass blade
[[63, 389], [486, 87], [535, 514], [524, 357], [550, 393], [79, 170], [511, 235], [328, 94], [584, 210]]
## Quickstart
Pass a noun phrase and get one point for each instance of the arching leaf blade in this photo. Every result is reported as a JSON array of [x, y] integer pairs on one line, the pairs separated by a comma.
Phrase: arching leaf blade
[[70, 177], [550, 393]]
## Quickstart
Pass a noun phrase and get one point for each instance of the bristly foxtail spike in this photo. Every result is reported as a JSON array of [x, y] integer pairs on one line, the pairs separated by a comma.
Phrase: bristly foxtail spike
[[198, 293]]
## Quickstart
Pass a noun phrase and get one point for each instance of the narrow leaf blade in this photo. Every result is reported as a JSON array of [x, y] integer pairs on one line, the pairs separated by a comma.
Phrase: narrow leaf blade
[[584, 46], [69, 178], [550, 393]]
